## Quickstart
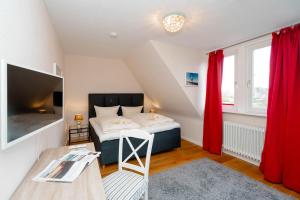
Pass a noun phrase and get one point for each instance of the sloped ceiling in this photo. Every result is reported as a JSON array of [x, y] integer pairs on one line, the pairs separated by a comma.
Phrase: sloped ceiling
[[159, 81], [84, 25]]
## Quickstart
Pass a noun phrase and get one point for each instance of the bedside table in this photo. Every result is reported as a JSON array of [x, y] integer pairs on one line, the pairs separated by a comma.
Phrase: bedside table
[[82, 133]]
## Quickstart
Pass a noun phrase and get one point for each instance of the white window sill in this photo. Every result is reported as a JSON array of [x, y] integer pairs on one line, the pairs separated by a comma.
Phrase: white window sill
[[233, 111]]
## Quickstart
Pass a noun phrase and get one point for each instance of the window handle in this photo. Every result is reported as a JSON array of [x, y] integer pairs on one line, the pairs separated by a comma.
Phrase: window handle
[[249, 84], [235, 84]]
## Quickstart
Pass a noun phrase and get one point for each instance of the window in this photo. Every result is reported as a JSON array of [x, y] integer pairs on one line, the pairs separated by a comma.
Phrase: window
[[260, 78], [228, 81], [245, 83]]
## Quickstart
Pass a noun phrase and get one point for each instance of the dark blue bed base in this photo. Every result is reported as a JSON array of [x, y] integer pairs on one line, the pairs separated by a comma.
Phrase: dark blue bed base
[[163, 141]]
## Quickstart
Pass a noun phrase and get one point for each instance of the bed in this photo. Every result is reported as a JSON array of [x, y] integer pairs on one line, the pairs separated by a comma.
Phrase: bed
[[163, 141]]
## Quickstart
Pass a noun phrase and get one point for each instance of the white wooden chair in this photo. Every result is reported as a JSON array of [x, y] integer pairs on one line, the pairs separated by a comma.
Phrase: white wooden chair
[[128, 185]]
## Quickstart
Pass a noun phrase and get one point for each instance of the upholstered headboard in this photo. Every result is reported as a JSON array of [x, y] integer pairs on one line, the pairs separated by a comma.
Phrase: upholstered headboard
[[122, 99]]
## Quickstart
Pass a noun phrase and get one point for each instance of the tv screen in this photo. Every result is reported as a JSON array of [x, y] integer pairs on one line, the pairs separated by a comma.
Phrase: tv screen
[[33, 100]]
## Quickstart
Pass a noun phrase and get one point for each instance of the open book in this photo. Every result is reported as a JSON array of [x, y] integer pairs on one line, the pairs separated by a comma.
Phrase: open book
[[68, 167]]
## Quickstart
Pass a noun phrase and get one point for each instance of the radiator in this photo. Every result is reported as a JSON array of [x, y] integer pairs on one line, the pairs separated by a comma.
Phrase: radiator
[[245, 142]]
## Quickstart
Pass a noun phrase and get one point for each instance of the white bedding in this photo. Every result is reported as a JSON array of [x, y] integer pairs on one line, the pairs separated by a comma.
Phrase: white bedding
[[116, 123], [151, 128], [150, 119]]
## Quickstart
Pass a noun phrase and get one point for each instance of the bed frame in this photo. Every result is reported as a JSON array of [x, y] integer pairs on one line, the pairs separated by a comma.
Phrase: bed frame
[[163, 141]]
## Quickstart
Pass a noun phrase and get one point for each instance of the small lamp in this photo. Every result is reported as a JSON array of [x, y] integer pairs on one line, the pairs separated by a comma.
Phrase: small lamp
[[152, 110], [78, 118], [154, 107]]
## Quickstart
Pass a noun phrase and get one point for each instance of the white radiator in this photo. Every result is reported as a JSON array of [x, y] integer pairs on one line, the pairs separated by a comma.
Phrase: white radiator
[[245, 142]]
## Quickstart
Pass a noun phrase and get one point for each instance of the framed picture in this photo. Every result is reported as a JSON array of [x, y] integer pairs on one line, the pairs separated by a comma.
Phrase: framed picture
[[192, 79]]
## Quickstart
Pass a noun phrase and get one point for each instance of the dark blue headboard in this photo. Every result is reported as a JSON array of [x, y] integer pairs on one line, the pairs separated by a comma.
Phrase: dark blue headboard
[[123, 99]]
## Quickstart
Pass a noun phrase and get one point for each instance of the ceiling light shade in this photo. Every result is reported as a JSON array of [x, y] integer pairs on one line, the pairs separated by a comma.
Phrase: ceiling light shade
[[173, 22]]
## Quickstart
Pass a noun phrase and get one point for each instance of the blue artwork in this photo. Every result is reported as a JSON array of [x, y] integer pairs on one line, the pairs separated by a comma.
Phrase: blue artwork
[[192, 79]]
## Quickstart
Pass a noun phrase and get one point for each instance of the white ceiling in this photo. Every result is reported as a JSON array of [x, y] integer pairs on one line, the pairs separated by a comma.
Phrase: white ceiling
[[84, 25]]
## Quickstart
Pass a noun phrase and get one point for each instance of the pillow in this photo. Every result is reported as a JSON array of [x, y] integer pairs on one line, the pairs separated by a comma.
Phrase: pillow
[[106, 111], [129, 111]]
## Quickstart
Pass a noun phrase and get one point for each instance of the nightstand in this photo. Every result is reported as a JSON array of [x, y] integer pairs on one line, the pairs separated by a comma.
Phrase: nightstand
[[79, 134]]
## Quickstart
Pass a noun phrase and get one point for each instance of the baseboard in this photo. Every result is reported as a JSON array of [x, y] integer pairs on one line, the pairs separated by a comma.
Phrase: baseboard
[[192, 141], [241, 157]]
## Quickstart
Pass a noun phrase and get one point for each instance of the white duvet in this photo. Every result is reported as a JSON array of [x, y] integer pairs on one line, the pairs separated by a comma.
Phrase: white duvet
[[150, 119], [109, 124], [146, 122]]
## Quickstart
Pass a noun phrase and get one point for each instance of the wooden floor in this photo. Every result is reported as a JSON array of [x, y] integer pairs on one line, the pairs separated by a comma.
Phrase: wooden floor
[[189, 152]]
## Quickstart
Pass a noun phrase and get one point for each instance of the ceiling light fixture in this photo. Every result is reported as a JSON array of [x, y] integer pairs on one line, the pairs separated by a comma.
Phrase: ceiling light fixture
[[113, 35], [173, 22]]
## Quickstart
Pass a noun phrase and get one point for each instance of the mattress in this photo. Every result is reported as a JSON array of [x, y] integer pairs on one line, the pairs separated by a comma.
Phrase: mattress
[[112, 135]]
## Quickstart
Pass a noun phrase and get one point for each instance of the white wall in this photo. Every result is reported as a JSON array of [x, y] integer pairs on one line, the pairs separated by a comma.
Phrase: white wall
[[84, 75], [27, 38], [191, 127], [256, 121]]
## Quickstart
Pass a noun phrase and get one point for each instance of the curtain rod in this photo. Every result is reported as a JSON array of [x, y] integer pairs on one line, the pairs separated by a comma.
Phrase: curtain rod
[[241, 42], [248, 40]]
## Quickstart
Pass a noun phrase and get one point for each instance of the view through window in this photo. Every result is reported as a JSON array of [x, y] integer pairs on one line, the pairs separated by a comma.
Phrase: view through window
[[260, 77], [228, 80]]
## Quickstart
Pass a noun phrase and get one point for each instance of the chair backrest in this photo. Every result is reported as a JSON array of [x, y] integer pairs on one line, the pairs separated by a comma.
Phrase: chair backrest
[[139, 134]]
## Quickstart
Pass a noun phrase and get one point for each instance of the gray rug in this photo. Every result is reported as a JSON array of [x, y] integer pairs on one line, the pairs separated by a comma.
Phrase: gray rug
[[206, 179]]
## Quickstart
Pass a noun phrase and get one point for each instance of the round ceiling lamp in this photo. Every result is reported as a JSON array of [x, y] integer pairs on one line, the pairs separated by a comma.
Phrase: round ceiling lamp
[[173, 22]]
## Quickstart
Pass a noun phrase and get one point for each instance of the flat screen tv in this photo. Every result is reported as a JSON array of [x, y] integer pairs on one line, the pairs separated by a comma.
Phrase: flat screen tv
[[31, 101]]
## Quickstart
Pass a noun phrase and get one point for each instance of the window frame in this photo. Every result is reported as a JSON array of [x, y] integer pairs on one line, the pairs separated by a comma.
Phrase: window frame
[[249, 76], [243, 70], [229, 107]]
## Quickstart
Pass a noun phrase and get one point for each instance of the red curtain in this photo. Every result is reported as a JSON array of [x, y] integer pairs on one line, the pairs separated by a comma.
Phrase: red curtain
[[281, 154], [212, 130]]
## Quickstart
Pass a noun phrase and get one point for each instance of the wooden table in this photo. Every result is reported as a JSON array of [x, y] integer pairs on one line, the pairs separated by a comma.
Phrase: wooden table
[[87, 186]]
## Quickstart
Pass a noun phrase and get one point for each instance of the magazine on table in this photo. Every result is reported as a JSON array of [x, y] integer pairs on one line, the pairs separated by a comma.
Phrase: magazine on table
[[68, 167]]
